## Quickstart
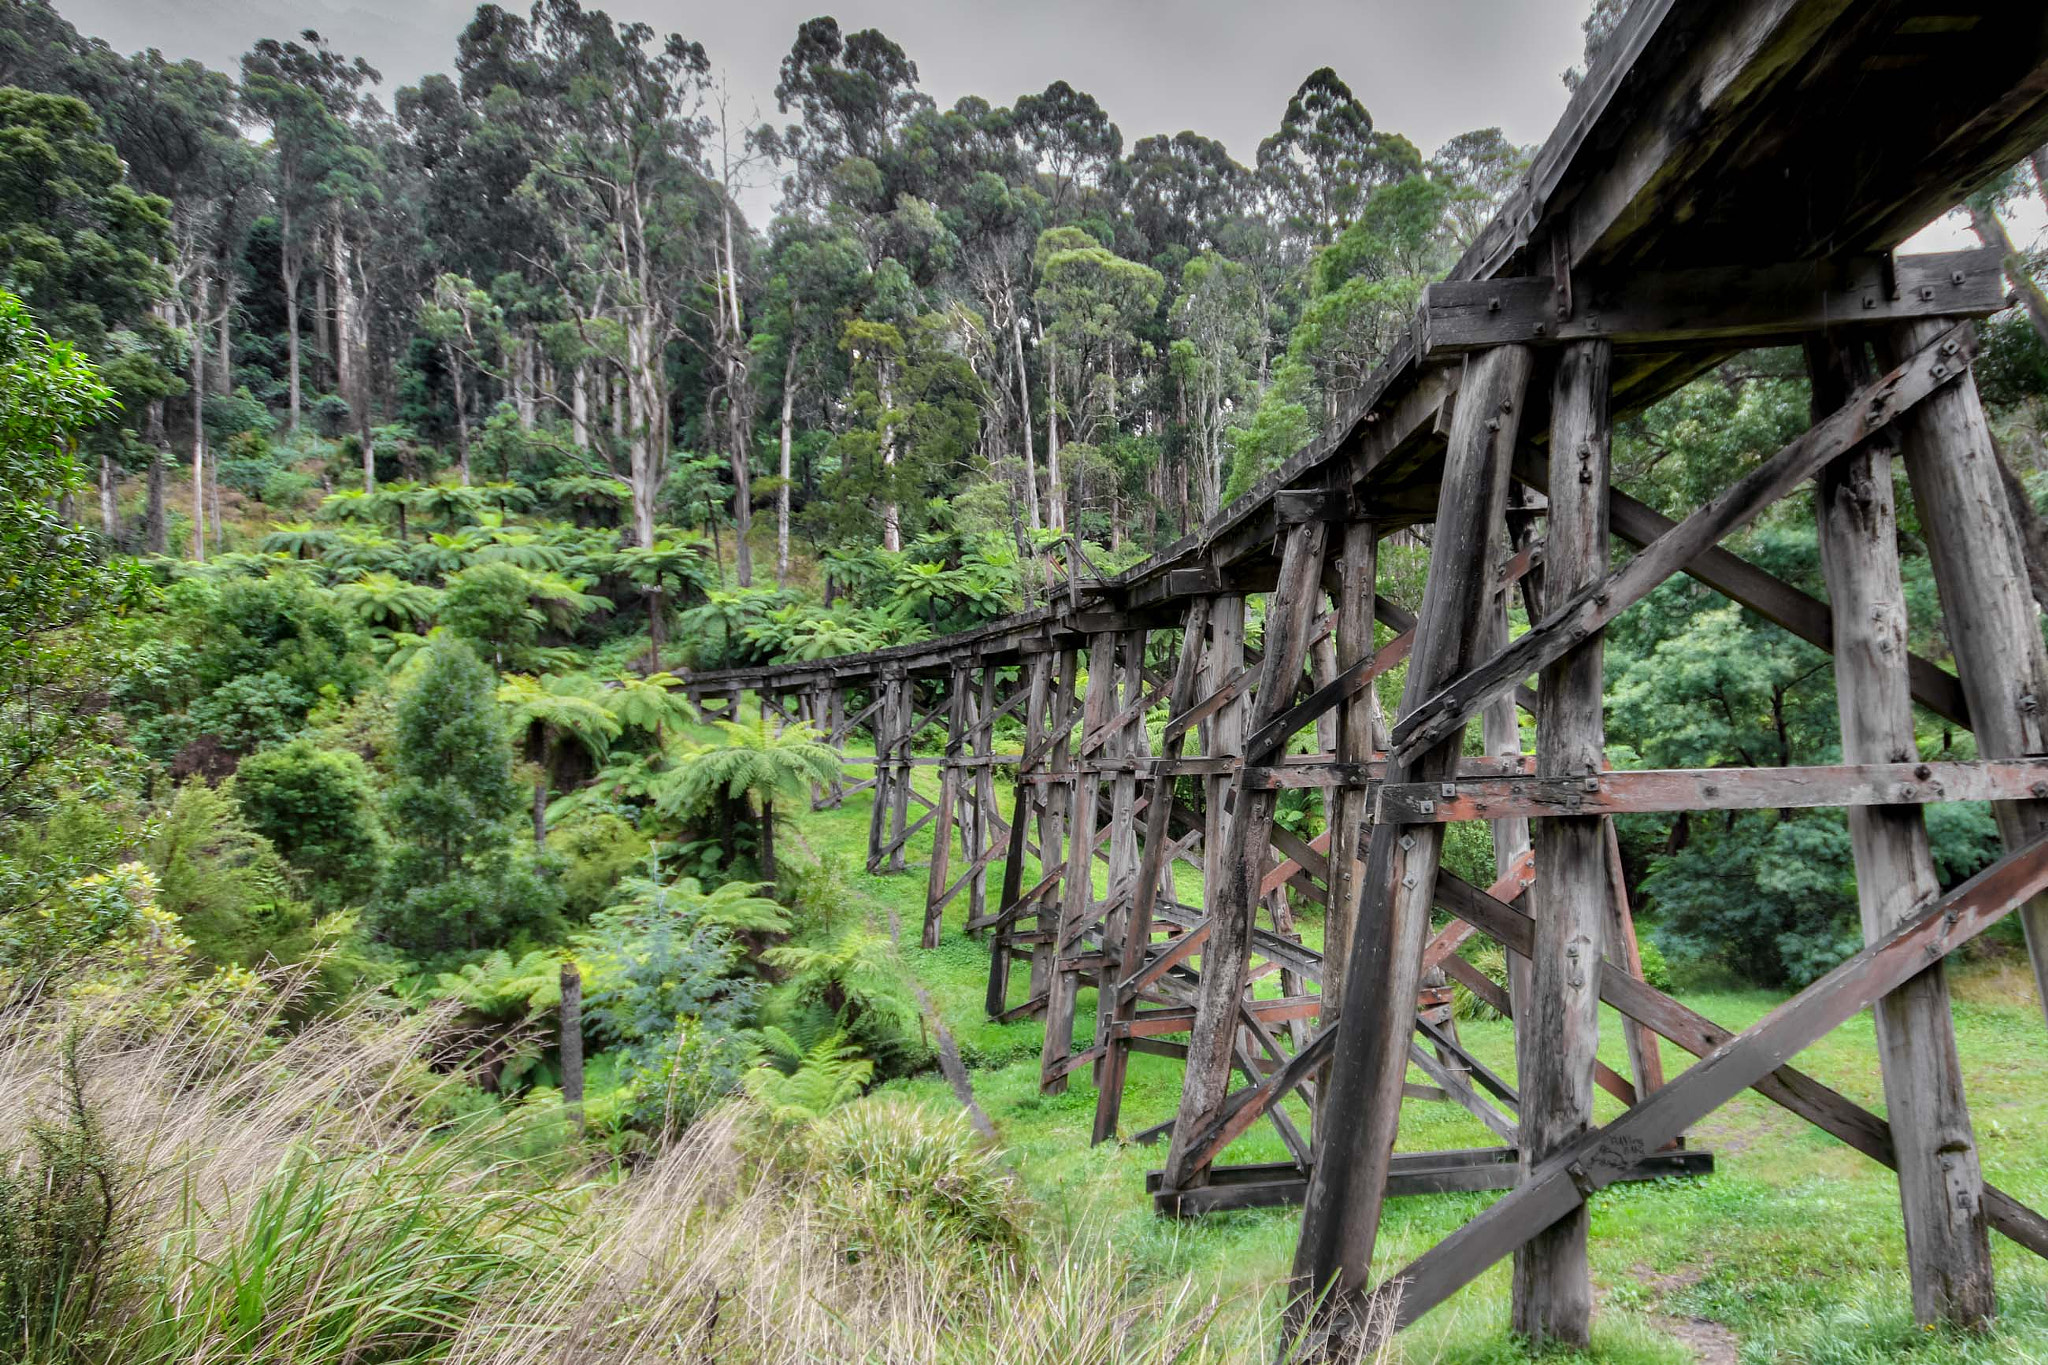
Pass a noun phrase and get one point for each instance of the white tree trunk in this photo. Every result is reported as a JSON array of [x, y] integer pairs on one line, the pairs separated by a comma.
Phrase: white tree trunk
[[224, 355], [782, 469], [892, 517], [579, 406], [1024, 409], [288, 276], [110, 516], [198, 383], [1055, 491]]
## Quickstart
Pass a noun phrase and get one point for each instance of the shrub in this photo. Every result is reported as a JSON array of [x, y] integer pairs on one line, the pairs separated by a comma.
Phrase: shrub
[[60, 1200], [281, 625], [331, 415], [500, 897], [599, 847], [453, 881], [452, 754], [226, 883], [894, 1177], [665, 988], [284, 487], [795, 1085], [313, 804], [1492, 960], [1656, 971], [490, 605], [245, 713]]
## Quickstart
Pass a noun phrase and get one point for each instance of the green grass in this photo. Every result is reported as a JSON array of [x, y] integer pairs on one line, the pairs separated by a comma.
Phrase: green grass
[[1793, 1246]]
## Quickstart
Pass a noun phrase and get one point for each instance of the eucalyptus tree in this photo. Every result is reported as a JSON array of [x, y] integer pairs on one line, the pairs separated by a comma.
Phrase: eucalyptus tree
[[1215, 321], [1479, 168], [1070, 139], [467, 324], [852, 94], [1002, 223], [83, 248], [174, 125], [616, 125], [306, 95], [815, 276], [1327, 157], [1093, 300]]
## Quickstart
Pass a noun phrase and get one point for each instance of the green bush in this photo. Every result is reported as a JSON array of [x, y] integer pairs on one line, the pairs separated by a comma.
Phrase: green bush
[[598, 847], [226, 883], [895, 1177], [489, 605], [247, 712], [454, 882], [284, 487], [314, 805], [60, 1231], [1656, 970]]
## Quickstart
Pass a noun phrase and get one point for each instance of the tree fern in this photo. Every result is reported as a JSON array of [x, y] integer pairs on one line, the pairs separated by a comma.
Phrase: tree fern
[[825, 1077]]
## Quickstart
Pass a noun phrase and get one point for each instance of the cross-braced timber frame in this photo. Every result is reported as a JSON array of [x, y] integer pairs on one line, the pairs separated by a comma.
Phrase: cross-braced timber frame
[[1735, 174]]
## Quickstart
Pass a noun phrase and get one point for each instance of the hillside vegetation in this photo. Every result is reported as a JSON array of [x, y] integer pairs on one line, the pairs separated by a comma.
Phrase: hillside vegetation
[[395, 966]]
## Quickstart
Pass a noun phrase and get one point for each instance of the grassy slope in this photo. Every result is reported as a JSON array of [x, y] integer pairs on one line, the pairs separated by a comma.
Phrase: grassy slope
[[1790, 1252]]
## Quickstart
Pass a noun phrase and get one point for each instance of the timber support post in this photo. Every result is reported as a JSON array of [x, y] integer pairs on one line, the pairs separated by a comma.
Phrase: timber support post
[[1980, 573], [1242, 864], [1941, 1187], [1559, 1018], [1077, 890], [1341, 1214]]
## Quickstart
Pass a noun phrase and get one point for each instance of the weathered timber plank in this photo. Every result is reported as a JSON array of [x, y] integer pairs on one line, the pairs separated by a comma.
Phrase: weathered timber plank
[[1077, 890], [1340, 1220], [1290, 613], [1941, 1187], [1558, 1022], [1152, 868], [1121, 942], [1358, 739], [1409, 1177], [1461, 1092], [1180, 1018], [1980, 572]]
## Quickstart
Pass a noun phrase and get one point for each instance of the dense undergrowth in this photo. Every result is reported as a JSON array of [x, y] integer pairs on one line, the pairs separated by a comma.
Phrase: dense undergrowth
[[213, 1187]]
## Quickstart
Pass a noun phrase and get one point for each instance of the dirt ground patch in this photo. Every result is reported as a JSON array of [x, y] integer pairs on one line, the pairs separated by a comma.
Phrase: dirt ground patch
[[1709, 1342]]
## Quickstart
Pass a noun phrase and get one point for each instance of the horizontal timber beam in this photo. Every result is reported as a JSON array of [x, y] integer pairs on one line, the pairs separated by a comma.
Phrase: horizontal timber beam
[[1678, 789], [1718, 306], [1413, 1173]]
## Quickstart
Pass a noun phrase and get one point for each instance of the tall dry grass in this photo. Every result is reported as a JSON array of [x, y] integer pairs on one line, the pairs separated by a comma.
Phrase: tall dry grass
[[308, 1196]]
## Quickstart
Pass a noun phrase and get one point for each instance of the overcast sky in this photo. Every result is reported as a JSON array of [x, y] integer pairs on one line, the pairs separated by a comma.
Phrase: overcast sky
[[1224, 68], [1220, 67]]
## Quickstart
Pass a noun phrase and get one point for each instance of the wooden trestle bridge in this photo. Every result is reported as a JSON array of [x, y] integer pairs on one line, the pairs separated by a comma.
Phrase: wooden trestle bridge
[[1735, 174]]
